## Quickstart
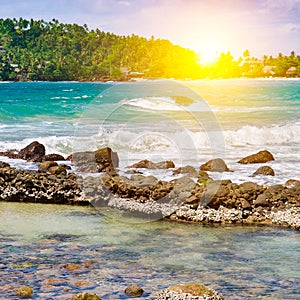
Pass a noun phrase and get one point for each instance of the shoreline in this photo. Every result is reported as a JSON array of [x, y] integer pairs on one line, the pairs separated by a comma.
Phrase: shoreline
[[179, 200]]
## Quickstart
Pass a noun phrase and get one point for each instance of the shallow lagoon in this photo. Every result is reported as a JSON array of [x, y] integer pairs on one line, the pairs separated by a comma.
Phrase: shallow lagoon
[[61, 250]]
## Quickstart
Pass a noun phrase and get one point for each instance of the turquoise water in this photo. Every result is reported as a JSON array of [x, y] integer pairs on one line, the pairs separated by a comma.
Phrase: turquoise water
[[38, 241], [188, 123], [217, 118]]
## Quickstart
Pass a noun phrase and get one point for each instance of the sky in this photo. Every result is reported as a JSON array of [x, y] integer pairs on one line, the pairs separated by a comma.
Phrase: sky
[[207, 26]]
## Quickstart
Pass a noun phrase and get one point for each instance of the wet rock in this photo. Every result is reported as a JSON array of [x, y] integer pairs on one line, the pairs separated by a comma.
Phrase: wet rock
[[264, 170], [24, 292], [4, 164], [215, 165], [53, 157], [10, 154], [46, 165], [189, 291], [58, 170], [33, 152], [134, 291], [187, 169], [292, 183], [85, 296], [260, 157], [143, 181], [147, 164], [101, 160]]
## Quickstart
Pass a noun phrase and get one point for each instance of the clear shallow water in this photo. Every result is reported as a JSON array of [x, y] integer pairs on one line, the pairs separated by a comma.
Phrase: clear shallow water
[[38, 241], [226, 118]]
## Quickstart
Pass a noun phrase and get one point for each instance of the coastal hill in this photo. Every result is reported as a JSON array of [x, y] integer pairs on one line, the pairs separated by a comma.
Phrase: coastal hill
[[41, 50]]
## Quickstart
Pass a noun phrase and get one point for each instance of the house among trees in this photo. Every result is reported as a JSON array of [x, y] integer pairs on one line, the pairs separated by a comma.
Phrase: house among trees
[[291, 72]]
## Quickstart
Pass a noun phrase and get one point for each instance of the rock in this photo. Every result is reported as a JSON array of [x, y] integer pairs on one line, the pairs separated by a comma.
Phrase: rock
[[260, 157], [46, 165], [101, 160], [4, 164], [215, 165], [143, 181], [292, 183], [261, 200], [24, 292], [134, 291], [264, 170], [189, 291], [52, 157], [33, 152], [187, 169], [85, 296], [106, 156], [10, 154], [58, 170], [147, 164]]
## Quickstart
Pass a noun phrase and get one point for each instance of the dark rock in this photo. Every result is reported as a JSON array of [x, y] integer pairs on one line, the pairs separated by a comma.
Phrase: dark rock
[[264, 170], [215, 165], [58, 170], [134, 291], [147, 164], [46, 165], [249, 186], [101, 160], [4, 164], [24, 292], [33, 152], [10, 154], [53, 157], [260, 157]]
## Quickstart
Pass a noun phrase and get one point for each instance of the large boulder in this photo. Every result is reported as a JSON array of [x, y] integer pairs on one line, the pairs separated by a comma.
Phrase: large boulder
[[33, 152], [259, 157], [147, 164], [215, 165], [46, 165], [101, 160]]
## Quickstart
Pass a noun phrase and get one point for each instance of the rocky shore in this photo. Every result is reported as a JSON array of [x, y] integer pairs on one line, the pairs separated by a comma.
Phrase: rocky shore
[[193, 197]]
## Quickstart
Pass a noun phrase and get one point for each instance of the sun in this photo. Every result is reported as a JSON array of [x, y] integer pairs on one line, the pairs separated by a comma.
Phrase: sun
[[208, 54]]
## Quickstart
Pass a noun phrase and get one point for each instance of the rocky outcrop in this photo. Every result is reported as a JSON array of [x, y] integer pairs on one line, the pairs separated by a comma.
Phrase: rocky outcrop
[[101, 160], [31, 186], [189, 291], [215, 165], [191, 171], [259, 157], [33, 152], [147, 164], [264, 170]]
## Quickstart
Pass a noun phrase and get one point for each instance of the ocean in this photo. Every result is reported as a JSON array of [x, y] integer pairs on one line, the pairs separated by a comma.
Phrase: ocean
[[188, 122], [62, 250]]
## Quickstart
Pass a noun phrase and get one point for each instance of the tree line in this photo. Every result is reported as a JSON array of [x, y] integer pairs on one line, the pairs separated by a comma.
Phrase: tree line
[[54, 51]]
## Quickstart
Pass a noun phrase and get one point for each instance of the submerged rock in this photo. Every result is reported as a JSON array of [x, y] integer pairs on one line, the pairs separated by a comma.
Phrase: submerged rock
[[134, 291], [24, 291], [259, 157], [85, 296], [189, 291]]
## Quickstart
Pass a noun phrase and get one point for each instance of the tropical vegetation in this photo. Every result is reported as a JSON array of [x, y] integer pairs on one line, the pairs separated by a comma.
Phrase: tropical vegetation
[[40, 50]]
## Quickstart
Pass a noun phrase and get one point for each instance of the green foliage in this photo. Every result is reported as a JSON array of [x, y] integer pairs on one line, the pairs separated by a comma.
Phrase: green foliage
[[40, 50]]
